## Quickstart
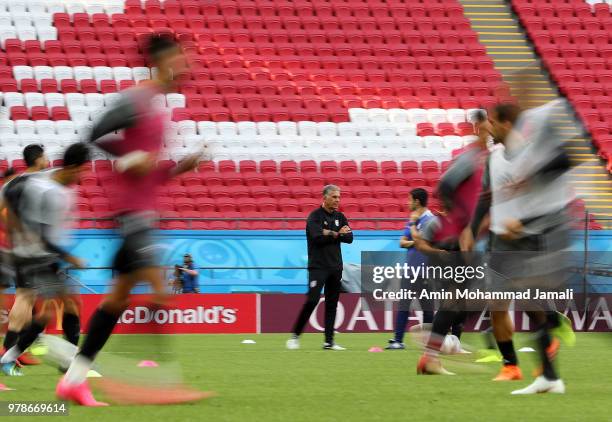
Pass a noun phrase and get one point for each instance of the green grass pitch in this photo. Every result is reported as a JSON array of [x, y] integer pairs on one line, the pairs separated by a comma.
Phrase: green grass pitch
[[265, 382]]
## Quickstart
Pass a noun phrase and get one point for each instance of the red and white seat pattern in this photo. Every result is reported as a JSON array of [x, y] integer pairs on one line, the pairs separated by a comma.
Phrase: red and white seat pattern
[[374, 96], [574, 39]]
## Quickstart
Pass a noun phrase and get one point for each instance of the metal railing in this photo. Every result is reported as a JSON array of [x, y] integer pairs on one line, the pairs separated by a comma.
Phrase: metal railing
[[586, 223]]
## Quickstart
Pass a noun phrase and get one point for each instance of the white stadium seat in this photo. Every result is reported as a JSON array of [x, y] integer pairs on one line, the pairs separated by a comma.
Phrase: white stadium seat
[[306, 128], [75, 99], [287, 128], [358, 114], [327, 129], [34, 99], [64, 72], [141, 73], [65, 127], [94, 99], [79, 114], [207, 129], [436, 115], [398, 115], [45, 127], [378, 115], [347, 129], [26, 33], [263, 128], [417, 115], [452, 142], [122, 73], [175, 100], [73, 6], [25, 127], [23, 72], [12, 99], [434, 142], [187, 127], [21, 19], [7, 127], [102, 73], [46, 33], [247, 128], [83, 72], [226, 128], [43, 72], [455, 115], [55, 99]]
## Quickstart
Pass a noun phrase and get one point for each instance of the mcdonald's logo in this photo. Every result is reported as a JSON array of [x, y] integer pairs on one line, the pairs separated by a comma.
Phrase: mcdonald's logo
[[58, 305]]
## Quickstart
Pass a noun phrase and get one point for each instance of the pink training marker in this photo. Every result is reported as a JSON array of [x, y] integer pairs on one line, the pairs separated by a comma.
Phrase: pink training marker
[[375, 349], [5, 388], [148, 364]]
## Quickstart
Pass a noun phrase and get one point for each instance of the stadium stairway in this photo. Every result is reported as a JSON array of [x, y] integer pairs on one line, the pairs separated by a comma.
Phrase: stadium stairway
[[507, 44]]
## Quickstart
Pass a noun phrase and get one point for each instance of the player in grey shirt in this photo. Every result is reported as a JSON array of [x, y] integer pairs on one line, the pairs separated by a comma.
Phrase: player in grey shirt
[[40, 204]]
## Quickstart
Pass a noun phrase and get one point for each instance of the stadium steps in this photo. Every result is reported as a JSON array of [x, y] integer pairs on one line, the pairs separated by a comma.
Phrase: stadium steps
[[507, 44]]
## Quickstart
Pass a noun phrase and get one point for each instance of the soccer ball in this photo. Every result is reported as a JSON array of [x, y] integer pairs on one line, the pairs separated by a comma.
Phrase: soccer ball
[[451, 345]]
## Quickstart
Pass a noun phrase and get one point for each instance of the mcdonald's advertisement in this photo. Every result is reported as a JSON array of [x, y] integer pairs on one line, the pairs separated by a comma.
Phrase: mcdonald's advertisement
[[276, 313]]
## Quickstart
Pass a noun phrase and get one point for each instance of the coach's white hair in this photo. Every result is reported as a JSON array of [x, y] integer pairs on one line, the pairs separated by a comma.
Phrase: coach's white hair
[[330, 188]]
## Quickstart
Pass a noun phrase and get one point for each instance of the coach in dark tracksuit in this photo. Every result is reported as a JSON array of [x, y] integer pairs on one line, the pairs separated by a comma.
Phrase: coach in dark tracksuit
[[326, 229]]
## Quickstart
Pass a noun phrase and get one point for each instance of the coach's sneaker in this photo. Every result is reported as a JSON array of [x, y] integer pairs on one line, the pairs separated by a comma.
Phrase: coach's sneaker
[[78, 393], [293, 343], [395, 345], [333, 346], [429, 365], [542, 385], [509, 373], [11, 369]]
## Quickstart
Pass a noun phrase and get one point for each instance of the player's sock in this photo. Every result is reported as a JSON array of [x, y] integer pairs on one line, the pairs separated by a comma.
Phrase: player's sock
[[11, 355], [457, 327], [441, 324], [506, 348], [26, 338], [543, 339], [489, 338], [10, 339], [77, 373], [400, 325], [72, 328], [101, 326]]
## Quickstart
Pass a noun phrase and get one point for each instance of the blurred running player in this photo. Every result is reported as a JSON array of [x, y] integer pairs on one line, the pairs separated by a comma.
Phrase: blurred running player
[[419, 215], [527, 204], [41, 204], [7, 272], [21, 312], [139, 175], [459, 189], [501, 121]]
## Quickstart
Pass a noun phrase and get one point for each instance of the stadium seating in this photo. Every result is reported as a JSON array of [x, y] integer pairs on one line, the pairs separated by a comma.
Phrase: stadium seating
[[288, 95], [573, 39]]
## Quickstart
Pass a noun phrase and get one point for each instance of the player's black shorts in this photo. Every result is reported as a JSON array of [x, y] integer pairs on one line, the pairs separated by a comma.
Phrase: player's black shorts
[[138, 248], [40, 274], [136, 252], [7, 270]]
